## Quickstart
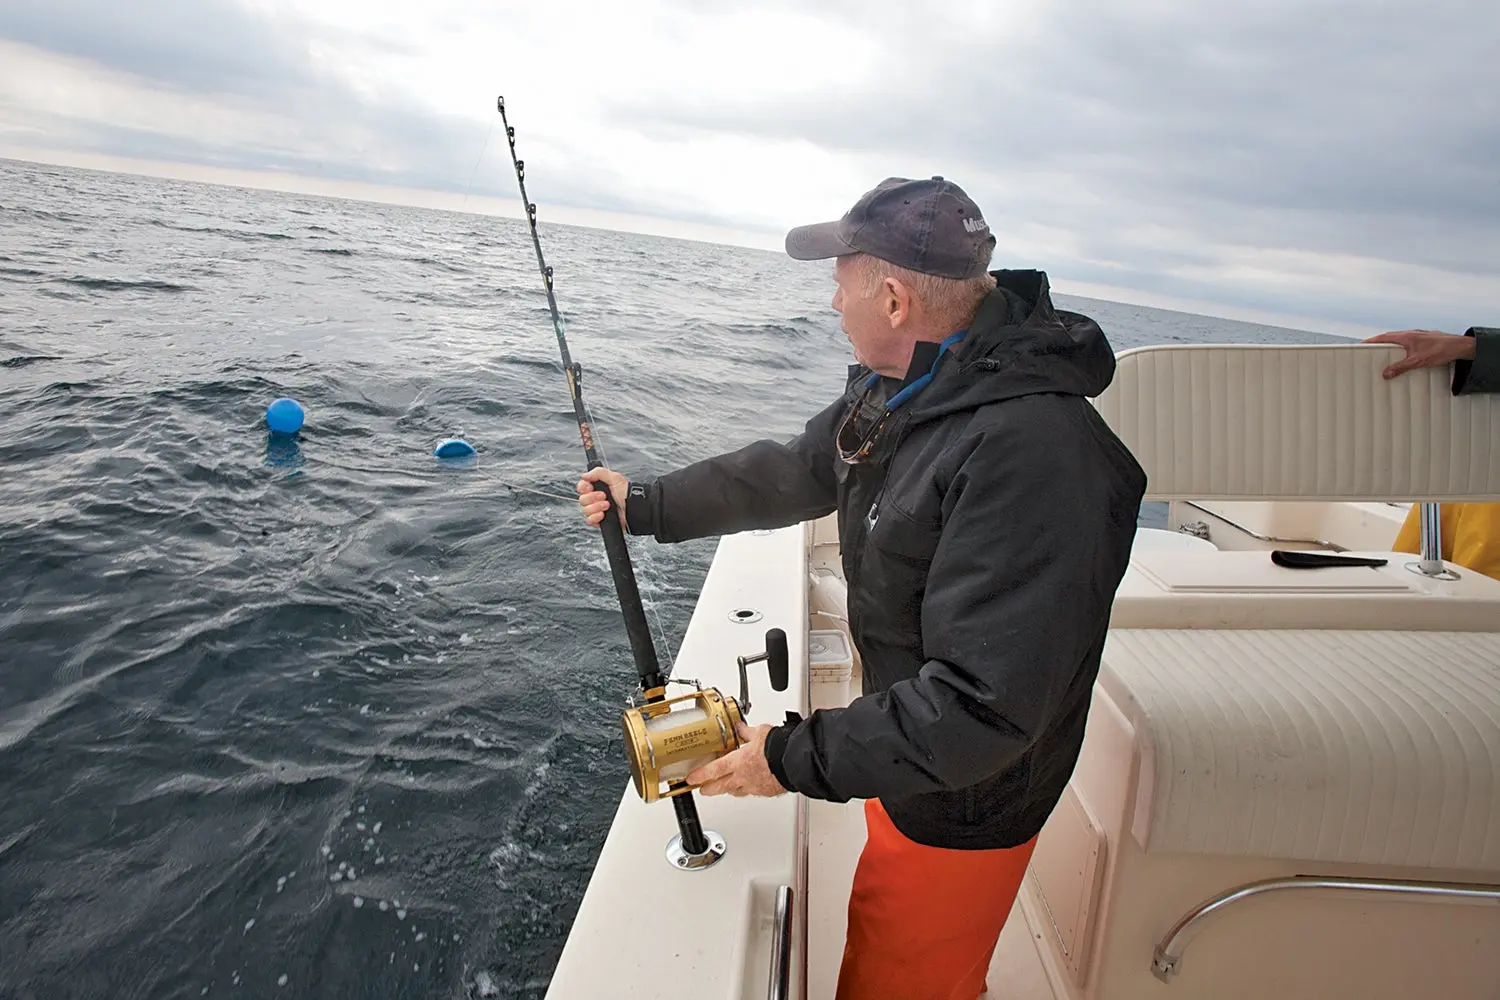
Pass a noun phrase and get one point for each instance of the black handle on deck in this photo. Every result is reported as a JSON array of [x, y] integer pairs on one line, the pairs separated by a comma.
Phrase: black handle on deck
[[1298, 559]]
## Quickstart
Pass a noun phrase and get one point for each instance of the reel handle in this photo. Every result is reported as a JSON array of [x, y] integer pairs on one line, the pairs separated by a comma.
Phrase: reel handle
[[778, 665], [778, 662]]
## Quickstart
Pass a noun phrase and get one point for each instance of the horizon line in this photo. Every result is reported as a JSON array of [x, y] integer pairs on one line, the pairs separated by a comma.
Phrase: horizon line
[[604, 221]]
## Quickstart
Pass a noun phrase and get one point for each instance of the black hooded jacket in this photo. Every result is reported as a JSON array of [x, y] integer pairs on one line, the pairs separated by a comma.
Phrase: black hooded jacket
[[982, 541]]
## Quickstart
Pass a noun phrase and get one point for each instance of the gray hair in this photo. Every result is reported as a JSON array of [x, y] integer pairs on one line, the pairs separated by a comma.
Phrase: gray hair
[[952, 300]]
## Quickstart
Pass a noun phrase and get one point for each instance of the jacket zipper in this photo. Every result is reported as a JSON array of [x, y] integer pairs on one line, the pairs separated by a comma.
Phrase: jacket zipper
[[870, 516]]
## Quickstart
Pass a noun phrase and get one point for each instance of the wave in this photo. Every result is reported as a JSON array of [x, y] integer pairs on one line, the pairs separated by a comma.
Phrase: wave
[[123, 284], [435, 262], [772, 329], [28, 359], [235, 234], [38, 213], [84, 387]]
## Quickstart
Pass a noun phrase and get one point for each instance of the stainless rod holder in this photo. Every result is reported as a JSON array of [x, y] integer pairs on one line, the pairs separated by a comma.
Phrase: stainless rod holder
[[1431, 562]]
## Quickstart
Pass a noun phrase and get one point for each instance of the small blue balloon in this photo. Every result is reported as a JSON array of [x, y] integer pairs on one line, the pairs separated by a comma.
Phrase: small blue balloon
[[455, 448], [285, 416]]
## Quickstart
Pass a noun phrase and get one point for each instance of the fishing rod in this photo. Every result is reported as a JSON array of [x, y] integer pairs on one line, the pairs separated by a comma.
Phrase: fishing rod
[[641, 646], [665, 738]]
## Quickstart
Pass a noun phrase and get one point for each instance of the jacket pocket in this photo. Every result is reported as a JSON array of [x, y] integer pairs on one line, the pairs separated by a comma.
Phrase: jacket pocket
[[895, 533], [895, 559]]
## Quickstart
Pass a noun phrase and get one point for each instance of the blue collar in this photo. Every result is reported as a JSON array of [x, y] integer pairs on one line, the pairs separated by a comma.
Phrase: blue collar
[[920, 383]]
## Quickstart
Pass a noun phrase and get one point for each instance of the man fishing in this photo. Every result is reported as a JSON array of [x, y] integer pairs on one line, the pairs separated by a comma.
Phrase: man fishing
[[986, 514]]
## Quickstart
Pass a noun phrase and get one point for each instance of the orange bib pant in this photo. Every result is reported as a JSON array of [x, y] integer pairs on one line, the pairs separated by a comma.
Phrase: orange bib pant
[[923, 921]]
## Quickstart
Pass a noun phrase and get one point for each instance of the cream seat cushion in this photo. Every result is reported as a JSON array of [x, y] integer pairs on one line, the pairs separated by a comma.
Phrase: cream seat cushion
[[1367, 747]]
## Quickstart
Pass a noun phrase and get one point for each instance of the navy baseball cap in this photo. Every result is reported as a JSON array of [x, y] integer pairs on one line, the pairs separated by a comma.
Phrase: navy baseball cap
[[927, 226]]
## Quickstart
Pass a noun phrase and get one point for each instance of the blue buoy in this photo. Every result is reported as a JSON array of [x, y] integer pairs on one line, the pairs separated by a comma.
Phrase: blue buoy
[[455, 448], [285, 416]]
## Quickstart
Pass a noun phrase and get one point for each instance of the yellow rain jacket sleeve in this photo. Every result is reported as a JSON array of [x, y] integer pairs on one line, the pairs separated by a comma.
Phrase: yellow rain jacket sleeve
[[1471, 531], [1471, 535]]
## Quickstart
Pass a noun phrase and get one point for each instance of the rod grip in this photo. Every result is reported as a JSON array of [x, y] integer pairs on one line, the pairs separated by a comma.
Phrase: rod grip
[[642, 649]]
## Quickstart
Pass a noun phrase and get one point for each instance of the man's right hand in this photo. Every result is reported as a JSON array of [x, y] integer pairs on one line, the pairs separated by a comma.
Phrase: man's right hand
[[592, 499]]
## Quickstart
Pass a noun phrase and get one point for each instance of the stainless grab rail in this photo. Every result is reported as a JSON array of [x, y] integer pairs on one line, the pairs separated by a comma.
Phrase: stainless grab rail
[[1167, 960], [781, 947], [1323, 543]]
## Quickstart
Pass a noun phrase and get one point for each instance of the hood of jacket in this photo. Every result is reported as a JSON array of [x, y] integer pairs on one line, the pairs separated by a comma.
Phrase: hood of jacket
[[1018, 344]]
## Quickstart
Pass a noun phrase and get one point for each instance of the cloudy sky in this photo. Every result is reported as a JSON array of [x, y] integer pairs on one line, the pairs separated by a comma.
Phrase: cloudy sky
[[1336, 163]]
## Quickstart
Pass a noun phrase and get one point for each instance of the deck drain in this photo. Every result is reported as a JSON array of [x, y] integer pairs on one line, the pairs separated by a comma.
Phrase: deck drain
[[744, 616]]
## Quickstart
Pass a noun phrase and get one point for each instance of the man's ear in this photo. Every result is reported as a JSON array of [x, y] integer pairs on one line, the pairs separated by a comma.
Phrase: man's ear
[[897, 301]]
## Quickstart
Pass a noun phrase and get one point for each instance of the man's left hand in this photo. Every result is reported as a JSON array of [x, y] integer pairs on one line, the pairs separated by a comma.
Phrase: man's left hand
[[1424, 349], [743, 772]]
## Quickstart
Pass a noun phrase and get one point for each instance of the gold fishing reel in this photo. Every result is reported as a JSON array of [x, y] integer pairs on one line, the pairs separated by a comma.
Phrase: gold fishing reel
[[667, 738]]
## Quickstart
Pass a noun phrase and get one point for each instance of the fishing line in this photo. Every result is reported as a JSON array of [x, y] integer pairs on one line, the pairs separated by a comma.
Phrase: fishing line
[[653, 681], [652, 570], [539, 493], [479, 159], [560, 324]]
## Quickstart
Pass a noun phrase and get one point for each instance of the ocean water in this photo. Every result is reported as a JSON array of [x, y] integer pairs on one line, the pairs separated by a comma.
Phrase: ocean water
[[332, 718]]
